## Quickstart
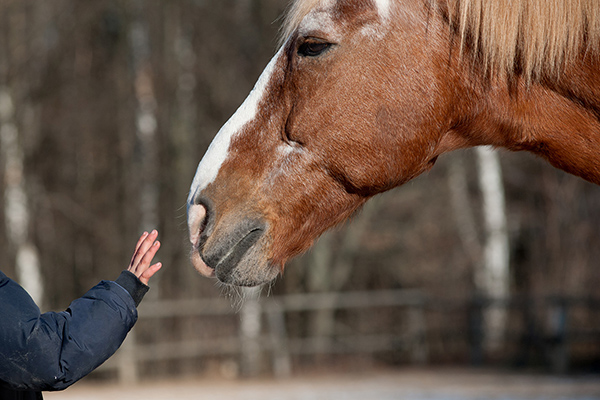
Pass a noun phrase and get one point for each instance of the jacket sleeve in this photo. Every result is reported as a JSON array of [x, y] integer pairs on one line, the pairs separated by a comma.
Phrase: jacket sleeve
[[51, 351]]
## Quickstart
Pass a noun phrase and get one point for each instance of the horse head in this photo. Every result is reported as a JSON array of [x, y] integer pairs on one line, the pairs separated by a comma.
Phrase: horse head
[[362, 96], [327, 126]]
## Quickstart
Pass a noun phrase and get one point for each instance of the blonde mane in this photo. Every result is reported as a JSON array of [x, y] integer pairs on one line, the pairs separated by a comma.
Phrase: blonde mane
[[296, 11], [535, 37]]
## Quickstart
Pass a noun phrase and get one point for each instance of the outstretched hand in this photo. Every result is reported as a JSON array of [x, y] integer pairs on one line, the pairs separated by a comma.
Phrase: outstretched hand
[[145, 249]]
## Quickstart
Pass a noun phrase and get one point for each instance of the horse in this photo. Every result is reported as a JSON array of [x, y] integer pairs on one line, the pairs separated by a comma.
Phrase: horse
[[364, 95]]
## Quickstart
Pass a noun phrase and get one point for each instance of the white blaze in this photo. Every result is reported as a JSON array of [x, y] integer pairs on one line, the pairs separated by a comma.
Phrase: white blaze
[[219, 148], [383, 6]]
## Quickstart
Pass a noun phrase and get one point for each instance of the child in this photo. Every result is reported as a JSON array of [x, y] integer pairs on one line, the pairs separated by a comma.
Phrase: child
[[52, 351]]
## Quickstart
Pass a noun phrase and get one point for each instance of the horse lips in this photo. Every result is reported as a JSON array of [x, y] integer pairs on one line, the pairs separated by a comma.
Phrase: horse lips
[[196, 215]]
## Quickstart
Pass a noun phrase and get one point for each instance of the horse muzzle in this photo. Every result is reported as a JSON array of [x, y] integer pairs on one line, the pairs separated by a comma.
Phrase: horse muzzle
[[234, 252]]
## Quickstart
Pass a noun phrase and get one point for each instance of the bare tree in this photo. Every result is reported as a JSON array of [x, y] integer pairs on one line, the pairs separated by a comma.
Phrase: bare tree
[[16, 201], [492, 278]]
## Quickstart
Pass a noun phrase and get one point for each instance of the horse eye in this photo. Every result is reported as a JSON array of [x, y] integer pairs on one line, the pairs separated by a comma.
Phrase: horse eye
[[313, 49]]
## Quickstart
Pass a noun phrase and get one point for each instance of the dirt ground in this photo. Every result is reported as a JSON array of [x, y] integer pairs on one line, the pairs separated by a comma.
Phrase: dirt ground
[[448, 384]]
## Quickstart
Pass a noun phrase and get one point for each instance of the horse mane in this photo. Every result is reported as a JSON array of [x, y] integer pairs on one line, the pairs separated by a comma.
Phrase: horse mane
[[296, 11], [531, 37]]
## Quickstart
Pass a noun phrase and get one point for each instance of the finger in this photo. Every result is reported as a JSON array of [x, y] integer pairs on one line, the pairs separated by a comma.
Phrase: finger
[[143, 248], [144, 263], [139, 254], [140, 240], [148, 256], [149, 273], [137, 245]]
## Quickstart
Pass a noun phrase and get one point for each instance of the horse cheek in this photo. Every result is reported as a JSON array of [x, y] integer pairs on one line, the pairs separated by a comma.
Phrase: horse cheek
[[399, 147]]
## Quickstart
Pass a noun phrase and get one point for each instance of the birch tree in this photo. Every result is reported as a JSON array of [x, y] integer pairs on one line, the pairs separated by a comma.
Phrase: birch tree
[[146, 121], [16, 202], [492, 278], [463, 212], [487, 248]]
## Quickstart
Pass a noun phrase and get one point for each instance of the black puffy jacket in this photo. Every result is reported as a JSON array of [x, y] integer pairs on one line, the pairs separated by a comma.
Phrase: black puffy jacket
[[51, 351]]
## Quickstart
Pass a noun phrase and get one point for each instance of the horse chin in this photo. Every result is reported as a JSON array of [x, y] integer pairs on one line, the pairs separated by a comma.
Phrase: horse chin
[[252, 270]]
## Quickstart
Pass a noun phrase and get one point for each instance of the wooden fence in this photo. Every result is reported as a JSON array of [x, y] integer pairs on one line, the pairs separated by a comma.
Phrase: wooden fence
[[254, 339], [262, 328]]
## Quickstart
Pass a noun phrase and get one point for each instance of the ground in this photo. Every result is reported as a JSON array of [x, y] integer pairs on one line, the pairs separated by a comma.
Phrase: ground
[[439, 384]]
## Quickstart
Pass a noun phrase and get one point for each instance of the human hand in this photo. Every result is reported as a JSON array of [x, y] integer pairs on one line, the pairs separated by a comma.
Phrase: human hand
[[145, 249]]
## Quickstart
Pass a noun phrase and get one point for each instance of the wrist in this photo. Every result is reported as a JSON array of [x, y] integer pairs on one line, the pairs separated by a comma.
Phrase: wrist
[[131, 283]]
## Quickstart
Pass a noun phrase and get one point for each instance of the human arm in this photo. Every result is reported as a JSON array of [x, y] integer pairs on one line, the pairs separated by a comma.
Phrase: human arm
[[51, 351]]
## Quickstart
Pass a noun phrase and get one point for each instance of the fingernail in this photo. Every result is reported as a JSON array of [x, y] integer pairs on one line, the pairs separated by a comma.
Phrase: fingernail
[[154, 231]]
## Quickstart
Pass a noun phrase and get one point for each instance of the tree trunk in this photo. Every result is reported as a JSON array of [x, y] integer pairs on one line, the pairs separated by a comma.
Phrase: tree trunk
[[492, 279], [16, 202], [463, 209], [146, 123]]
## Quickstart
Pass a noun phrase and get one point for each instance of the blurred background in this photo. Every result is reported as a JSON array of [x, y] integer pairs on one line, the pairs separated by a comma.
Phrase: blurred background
[[106, 108]]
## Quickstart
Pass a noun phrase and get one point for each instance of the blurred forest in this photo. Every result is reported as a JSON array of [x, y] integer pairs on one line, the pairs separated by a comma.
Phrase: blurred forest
[[107, 106]]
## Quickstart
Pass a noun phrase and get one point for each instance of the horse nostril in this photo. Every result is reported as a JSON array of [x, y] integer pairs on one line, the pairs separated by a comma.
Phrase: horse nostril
[[197, 220]]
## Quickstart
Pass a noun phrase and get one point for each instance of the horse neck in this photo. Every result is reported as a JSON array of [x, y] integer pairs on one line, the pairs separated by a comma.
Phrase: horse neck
[[557, 119]]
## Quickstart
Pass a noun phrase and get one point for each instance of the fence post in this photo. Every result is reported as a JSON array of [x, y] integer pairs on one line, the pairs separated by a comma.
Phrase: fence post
[[559, 346], [127, 366], [419, 350], [282, 363], [250, 328], [476, 331]]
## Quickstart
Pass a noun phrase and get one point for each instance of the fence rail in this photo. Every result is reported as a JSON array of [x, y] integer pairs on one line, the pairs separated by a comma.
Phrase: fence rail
[[255, 338]]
